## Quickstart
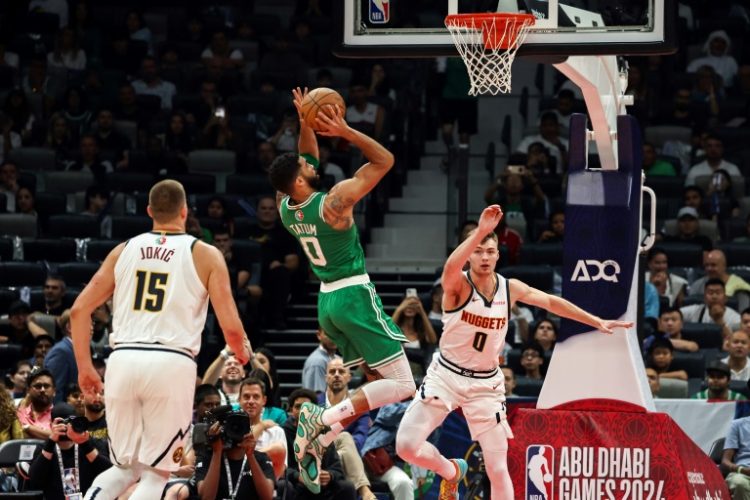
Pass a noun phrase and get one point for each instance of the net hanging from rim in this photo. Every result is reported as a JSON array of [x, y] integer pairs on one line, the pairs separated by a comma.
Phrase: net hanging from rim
[[488, 44]]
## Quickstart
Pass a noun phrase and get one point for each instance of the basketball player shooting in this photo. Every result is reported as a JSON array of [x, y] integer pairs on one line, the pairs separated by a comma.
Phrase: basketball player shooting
[[349, 310], [160, 283], [476, 311]]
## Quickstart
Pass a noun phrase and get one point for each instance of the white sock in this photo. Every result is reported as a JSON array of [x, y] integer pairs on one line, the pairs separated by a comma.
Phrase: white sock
[[328, 438], [112, 482], [152, 484], [338, 412]]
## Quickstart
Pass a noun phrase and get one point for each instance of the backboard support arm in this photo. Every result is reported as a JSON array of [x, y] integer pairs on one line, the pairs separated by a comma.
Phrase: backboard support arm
[[603, 85]]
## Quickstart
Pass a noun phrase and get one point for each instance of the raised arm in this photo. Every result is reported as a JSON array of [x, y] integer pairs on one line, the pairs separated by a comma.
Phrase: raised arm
[[520, 291], [341, 199], [307, 143], [453, 280], [99, 289]]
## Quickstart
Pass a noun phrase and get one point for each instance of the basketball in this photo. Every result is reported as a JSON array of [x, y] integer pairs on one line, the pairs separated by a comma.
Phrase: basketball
[[547, 478], [317, 99]]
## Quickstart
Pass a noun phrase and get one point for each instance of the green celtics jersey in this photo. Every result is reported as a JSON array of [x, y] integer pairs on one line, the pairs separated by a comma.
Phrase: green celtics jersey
[[333, 254]]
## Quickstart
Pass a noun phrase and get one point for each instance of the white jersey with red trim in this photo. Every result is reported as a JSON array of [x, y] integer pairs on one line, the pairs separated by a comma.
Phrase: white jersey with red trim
[[159, 298], [474, 332]]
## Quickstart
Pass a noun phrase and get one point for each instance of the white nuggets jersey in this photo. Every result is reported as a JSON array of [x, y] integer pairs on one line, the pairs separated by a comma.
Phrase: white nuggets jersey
[[474, 333], [158, 296]]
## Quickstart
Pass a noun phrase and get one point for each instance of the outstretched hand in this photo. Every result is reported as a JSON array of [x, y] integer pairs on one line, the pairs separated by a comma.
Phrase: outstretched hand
[[489, 219], [299, 97], [608, 325], [331, 121]]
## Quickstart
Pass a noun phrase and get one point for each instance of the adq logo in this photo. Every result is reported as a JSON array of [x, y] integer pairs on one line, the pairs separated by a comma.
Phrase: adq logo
[[594, 270]]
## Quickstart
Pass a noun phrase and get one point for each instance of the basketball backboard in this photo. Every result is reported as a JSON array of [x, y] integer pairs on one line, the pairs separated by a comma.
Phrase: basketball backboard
[[415, 28]]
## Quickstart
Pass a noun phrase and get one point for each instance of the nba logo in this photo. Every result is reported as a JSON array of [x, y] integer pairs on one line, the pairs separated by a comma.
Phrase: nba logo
[[540, 465], [380, 12], [299, 215]]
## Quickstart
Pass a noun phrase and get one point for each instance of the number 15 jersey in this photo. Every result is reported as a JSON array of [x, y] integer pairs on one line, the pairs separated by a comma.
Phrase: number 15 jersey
[[474, 332], [159, 297], [333, 254]]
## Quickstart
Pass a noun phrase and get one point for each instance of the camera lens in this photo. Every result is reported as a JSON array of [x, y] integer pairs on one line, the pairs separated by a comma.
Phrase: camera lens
[[79, 424], [236, 426]]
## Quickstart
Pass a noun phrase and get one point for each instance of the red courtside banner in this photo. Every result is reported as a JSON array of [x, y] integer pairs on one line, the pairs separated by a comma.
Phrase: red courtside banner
[[607, 450]]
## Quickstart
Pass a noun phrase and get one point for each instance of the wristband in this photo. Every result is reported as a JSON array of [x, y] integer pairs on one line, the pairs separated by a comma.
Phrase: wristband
[[86, 447], [49, 446], [311, 160]]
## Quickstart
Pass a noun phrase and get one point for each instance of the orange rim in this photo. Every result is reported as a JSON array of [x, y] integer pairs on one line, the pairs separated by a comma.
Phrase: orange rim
[[499, 30]]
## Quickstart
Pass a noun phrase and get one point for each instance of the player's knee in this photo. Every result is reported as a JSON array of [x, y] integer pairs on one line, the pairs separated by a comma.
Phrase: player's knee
[[496, 468], [407, 387], [343, 440], [405, 448]]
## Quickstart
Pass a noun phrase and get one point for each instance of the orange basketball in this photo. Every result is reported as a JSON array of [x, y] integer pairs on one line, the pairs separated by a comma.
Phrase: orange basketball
[[317, 99]]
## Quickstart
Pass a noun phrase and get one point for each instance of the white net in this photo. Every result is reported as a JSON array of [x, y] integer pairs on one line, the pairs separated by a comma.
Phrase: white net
[[489, 67]]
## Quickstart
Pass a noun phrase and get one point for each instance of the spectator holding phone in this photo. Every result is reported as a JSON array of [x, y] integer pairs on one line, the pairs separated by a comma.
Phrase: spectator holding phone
[[286, 137], [510, 192], [217, 133], [411, 317], [549, 135]]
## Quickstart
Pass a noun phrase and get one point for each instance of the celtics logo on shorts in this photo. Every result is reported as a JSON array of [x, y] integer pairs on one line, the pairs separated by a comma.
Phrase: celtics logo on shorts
[[177, 455], [299, 215]]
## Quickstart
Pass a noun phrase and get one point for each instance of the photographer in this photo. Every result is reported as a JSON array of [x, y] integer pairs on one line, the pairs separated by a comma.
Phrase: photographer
[[236, 472], [205, 401], [69, 462]]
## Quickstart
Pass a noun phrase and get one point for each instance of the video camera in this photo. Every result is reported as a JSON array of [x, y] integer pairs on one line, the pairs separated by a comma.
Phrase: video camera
[[234, 425]]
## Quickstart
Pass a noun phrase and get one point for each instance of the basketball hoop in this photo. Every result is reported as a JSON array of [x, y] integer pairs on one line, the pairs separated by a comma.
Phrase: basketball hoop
[[488, 44]]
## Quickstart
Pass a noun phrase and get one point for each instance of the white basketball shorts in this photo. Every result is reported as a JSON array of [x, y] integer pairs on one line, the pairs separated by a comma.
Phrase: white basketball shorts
[[148, 391], [482, 400]]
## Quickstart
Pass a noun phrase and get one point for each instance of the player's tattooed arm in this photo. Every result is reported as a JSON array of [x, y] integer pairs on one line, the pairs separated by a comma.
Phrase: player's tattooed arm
[[337, 210]]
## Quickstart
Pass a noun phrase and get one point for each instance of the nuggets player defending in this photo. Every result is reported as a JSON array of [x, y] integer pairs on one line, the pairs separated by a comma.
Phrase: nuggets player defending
[[476, 311], [349, 310], [160, 282]]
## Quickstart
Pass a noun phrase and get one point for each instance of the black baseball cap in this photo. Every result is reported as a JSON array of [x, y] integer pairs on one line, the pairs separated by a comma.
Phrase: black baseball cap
[[63, 410], [18, 307], [720, 367]]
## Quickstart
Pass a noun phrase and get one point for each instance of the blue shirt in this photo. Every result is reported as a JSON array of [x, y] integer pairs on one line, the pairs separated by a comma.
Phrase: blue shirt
[[738, 438], [314, 370], [651, 299], [384, 428]]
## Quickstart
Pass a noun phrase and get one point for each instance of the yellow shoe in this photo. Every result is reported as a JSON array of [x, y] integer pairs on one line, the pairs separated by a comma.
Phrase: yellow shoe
[[449, 488]]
